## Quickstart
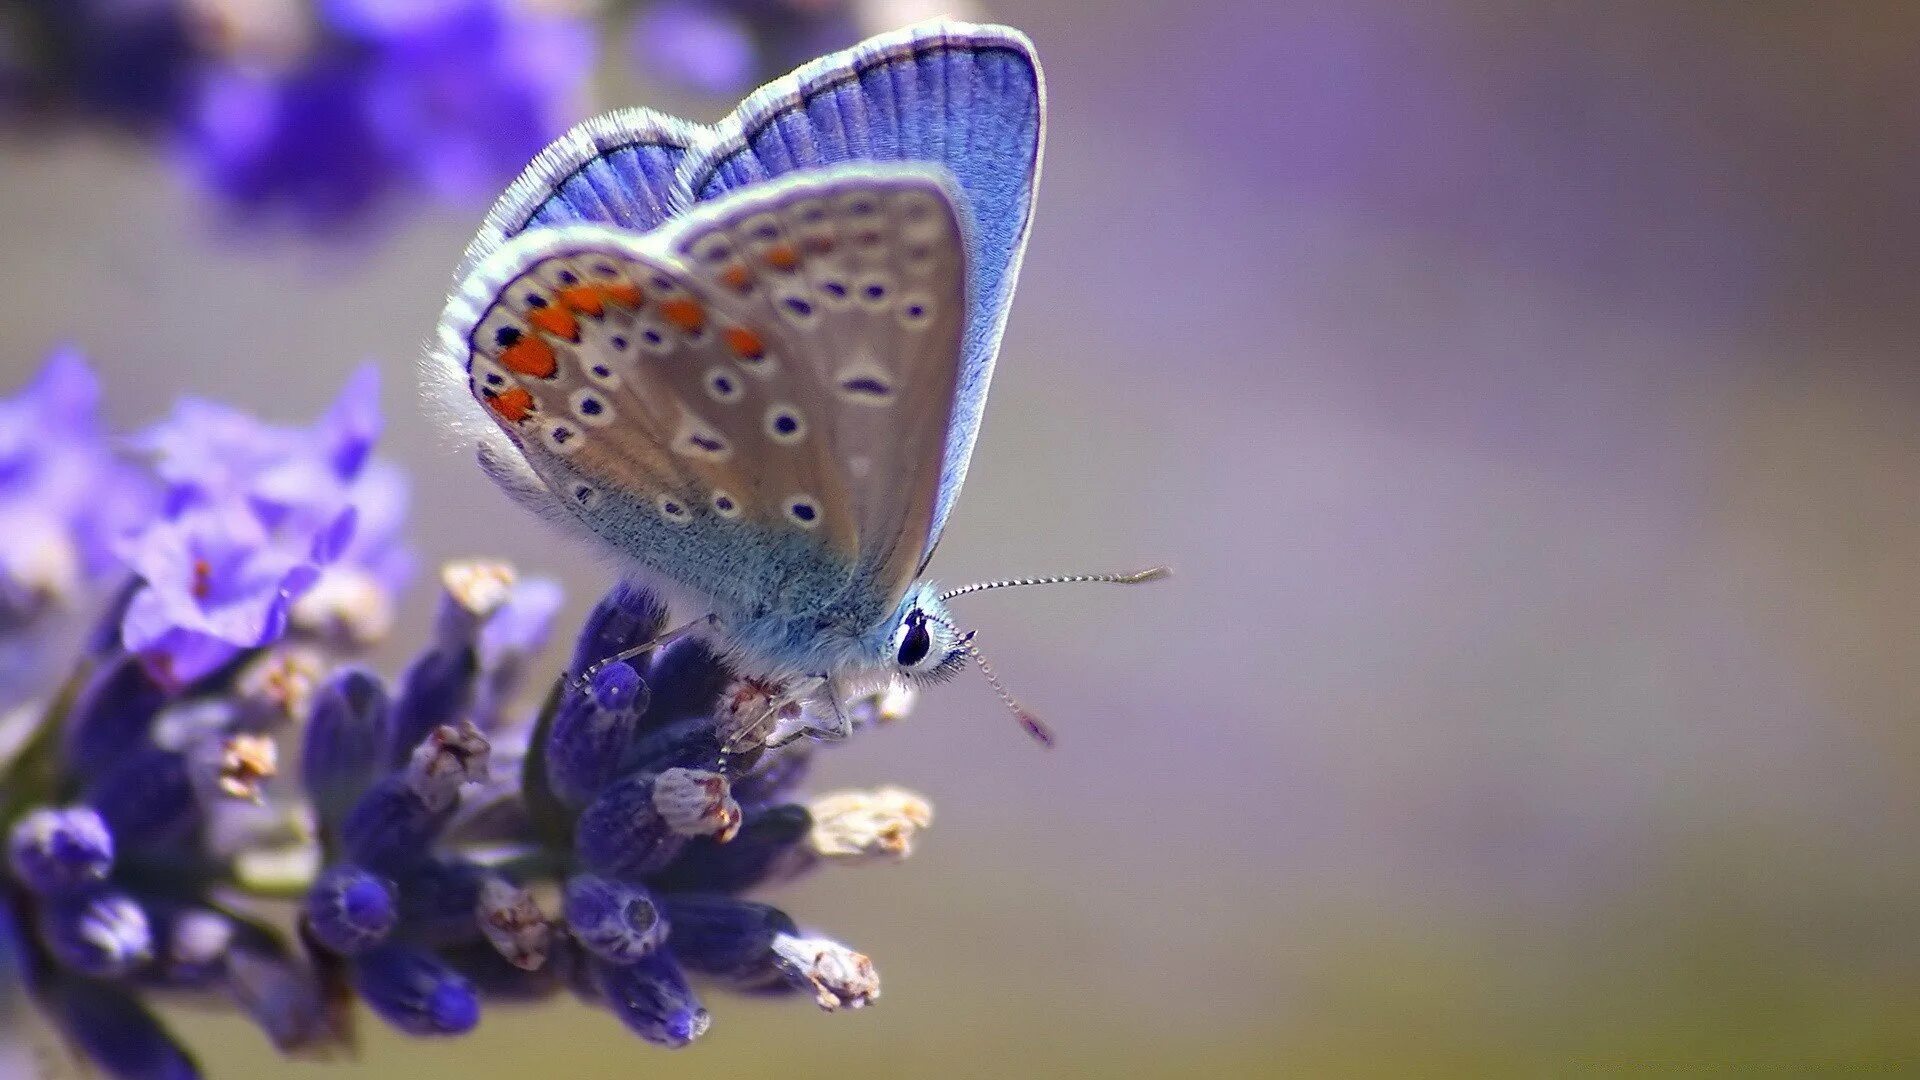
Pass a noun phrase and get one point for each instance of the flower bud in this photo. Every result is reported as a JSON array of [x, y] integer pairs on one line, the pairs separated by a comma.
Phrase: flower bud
[[350, 910], [390, 828], [113, 716], [147, 799], [57, 851], [640, 823], [879, 824], [652, 998], [105, 935], [591, 733], [437, 689], [415, 992], [346, 733], [116, 1032], [770, 847], [614, 920], [628, 616]]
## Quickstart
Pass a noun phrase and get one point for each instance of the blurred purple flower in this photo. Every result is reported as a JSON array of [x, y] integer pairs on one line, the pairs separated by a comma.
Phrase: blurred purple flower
[[207, 452], [303, 145], [448, 97], [302, 484], [66, 499], [216, 584], [467, 98], [696, 45]]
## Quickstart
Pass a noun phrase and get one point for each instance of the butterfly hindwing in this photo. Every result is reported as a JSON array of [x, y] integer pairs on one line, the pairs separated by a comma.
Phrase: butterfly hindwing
[[966, 97], [617, 169], [619, 379], [856, 277]]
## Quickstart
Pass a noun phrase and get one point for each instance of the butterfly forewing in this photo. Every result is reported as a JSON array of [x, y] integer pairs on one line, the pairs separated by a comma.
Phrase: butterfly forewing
[[854, 280]]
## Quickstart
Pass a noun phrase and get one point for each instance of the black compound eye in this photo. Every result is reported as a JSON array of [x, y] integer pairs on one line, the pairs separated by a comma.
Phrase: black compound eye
[[917, 642]]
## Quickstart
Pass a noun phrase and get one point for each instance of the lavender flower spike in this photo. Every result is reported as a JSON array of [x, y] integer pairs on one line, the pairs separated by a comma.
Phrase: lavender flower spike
[[604, 847]]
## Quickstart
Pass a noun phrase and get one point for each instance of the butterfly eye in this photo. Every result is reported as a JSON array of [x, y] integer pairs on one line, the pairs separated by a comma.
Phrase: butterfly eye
[[915, 641]]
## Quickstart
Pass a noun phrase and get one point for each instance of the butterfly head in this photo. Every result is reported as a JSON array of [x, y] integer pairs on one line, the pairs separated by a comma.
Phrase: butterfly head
[[926, 646], [923, 645]]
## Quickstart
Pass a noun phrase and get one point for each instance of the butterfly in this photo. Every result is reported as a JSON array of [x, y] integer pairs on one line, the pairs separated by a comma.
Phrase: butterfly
[[752, 358]]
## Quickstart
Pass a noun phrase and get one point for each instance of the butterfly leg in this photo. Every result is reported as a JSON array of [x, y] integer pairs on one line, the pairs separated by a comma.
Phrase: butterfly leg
[[668, 638], [839, 724]]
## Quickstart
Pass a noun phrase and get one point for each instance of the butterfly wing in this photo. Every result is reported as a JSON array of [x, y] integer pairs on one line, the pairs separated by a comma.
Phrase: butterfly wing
[[617, 169], [969, 98], [858, 275], [698, 397]]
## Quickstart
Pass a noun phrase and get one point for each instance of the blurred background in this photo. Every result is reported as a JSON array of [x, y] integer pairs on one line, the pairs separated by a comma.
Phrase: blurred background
[[1524, 393]]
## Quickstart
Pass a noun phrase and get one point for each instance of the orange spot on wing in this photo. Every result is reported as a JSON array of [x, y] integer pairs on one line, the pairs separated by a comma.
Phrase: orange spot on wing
[[584, 299], [818, 245], [530, 356], [555, 320], [513, 405], [624, 293], [745, 342], [782, 257], [737, 277], [683, 313]]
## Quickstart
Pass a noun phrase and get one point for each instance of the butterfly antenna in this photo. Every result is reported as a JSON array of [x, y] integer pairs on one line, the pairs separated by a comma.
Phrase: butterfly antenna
[[1138, 577], [1034, 726]]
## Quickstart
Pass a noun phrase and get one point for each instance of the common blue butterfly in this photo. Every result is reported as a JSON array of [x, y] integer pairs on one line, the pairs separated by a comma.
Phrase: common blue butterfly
[[752, 358]]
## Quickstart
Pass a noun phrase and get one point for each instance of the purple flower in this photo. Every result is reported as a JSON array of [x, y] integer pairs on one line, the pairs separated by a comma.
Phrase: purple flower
[[448, 97], [302, 145], [696, 45], [216, 584], [720, 46], [316, 493], [66, 499], [465, 96], [207, 452]]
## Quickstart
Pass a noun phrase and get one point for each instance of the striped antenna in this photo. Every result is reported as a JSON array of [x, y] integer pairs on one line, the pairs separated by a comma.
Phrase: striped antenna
[[1138, 577]]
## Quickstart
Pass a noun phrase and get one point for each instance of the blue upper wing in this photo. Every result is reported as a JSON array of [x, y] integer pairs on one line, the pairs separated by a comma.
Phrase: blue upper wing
[[967, 97], [618, 169]]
